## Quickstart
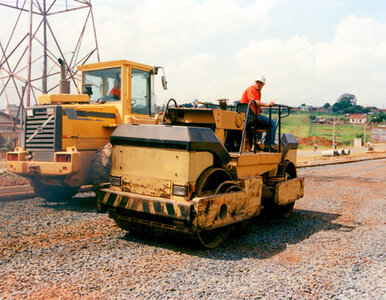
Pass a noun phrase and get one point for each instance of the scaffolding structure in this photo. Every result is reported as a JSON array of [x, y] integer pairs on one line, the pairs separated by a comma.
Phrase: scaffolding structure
[[378, 134], [44, 32]]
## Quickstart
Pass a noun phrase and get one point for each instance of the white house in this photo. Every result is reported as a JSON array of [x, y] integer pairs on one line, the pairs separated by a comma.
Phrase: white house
[[305, 107], [358, 119]]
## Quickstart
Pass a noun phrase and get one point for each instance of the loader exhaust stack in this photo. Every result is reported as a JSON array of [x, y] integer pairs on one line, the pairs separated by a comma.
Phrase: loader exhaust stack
[[64, 84]]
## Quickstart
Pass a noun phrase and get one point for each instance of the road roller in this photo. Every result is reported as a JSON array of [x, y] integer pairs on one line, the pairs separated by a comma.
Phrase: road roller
[[201, 171]]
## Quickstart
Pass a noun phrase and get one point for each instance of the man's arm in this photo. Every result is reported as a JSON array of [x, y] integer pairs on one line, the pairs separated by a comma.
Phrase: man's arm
[[264, 104], [253, 96]]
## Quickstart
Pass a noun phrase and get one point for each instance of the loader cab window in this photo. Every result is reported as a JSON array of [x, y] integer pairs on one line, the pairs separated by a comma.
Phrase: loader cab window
[[141, 97], [103, 84]]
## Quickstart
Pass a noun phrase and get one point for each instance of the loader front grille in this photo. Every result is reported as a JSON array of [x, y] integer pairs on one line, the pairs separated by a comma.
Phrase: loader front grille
[[43, 129]]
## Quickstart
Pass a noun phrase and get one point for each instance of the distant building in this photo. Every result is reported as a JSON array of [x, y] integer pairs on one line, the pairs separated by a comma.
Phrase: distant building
[[372, 109], [5, 122], [14, 110], [9, 129], [304, 107], [319, 109], [358, 119]]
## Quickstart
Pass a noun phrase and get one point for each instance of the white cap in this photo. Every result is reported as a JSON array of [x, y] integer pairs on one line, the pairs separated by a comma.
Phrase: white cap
[[260, 78]]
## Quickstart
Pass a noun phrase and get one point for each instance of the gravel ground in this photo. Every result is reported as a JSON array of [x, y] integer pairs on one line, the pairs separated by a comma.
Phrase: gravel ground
[[333, 246]]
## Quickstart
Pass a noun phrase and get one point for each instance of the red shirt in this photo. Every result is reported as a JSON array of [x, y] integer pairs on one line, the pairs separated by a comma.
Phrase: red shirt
[[252, 93], [115, 91]]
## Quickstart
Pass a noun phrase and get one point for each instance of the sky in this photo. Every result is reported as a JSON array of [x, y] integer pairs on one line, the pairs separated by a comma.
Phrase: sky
[[310, 51]]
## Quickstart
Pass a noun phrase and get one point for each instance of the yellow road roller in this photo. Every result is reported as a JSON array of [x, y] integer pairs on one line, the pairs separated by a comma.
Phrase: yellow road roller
[[200, 171]]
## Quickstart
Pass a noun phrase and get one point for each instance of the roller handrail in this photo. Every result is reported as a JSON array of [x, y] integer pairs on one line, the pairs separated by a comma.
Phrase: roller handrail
[[246, 124], [280, 108], [167, 107]]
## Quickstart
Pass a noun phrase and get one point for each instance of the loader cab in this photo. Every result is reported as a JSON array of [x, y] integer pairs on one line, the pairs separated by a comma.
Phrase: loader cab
[[101, 84], [127, 85]]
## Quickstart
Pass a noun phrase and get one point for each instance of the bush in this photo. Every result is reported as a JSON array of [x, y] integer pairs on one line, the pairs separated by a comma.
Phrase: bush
[[8, 144], [359, 135], [378, 118]]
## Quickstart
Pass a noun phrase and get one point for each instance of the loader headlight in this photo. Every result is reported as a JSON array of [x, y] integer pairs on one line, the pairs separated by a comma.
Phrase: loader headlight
[[115, 181], [30, 112], [179, 190]]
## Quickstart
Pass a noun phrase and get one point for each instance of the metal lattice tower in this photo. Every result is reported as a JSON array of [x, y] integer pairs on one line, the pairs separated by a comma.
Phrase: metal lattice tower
[[41, 34]]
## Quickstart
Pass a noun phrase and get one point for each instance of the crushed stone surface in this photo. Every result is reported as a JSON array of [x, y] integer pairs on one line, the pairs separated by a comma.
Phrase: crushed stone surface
[[8, 179], [332, 247]]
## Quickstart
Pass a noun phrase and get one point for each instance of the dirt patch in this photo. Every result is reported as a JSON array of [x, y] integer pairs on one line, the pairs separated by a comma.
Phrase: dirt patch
[[311, 140]]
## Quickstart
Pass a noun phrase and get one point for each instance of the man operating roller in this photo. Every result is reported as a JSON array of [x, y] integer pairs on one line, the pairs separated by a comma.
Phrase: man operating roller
[[254, 93]]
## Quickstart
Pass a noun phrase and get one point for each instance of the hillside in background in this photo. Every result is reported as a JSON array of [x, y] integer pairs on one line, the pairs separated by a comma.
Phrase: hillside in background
[[307, 133]]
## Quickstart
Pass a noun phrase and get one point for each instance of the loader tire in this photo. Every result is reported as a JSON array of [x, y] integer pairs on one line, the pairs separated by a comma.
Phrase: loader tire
[[100, 166]]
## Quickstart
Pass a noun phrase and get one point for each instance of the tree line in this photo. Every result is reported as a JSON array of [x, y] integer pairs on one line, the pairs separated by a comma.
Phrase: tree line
[[347, 103]]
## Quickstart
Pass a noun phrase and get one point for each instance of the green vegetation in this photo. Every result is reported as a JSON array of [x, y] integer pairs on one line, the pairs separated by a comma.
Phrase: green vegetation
[[299, 124], [346, 103], [344, 134], [378, 118], [7, 144]]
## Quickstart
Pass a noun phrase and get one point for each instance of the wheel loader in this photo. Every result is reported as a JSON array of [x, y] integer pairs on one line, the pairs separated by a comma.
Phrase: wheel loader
[[64, 131], [200, 171]]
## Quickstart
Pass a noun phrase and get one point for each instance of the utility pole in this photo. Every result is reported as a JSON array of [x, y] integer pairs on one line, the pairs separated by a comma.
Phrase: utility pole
[[333, 134], [333, 129], [36, 15], [364, 133]]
